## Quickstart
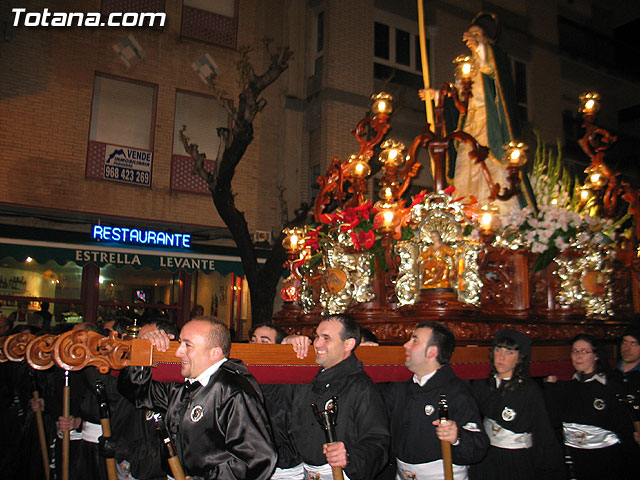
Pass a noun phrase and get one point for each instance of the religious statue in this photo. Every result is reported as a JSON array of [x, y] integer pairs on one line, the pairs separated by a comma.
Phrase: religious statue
[[438, 264], [489, 114]]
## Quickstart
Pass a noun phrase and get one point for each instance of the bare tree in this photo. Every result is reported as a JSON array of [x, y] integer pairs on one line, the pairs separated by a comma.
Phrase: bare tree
[[262, 280]]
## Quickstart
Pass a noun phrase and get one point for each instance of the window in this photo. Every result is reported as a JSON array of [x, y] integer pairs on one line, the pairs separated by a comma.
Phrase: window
[[519, 74], [381, 40], [121, 131], [212, 22], [397, 46], [396, 50], [122, 112], [27, 280], [202, 115], [403, 47], [319, 44], [584, 43], [315, 187]]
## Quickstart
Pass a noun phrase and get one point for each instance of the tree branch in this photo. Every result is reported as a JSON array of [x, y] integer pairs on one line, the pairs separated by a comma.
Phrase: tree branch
[[198, 158]]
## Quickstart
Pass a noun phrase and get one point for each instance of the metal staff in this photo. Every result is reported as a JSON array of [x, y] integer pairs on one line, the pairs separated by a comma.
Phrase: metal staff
[[66, 412], [327, 420], [174, 461], [105, 415], [40, 423], [443, 413]]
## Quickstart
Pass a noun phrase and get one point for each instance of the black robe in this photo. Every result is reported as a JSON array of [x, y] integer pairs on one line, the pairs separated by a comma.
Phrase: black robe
[[413, 408], [520, 411], [220, 431], [592, 403], [361, 421]]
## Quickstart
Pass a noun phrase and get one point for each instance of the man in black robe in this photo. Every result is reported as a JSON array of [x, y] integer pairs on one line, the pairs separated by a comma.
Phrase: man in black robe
[[361, 426], [416, 430], [216, 418]]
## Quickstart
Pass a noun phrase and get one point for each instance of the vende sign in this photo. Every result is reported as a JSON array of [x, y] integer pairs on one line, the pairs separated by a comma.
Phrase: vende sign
[[128, 165]]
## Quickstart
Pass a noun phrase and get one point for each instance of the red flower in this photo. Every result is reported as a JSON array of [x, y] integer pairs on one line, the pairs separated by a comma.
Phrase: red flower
[[313, 243], [349, 215], [367, 239], [418, 198], [449, 190], [354, 239], [363, 239], [328, 218]]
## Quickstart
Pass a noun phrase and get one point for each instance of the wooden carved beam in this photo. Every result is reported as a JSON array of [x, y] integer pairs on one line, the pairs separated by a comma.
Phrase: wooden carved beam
[[15, 346]]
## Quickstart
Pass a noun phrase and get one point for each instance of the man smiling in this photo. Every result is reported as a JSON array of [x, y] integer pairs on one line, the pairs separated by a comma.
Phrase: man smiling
[[216, 418], [361, 426]]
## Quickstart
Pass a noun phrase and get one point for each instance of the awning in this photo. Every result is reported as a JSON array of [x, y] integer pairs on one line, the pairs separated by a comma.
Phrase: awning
[[101, 255]]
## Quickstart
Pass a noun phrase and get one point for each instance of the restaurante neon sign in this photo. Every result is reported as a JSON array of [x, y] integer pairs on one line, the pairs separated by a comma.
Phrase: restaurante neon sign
[[143, 237]]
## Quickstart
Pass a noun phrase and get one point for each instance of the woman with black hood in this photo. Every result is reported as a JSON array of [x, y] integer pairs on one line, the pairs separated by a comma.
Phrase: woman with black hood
[[523, 444]]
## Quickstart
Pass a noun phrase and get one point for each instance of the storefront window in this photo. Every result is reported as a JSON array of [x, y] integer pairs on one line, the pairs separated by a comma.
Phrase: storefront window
[[225, 297], [127, 285], [60, 285]]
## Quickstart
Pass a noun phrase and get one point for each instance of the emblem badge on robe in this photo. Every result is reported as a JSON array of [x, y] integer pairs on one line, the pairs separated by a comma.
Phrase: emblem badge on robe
[[149, 415], [508, 414], [599, 404], [197, 413], [428, 410]]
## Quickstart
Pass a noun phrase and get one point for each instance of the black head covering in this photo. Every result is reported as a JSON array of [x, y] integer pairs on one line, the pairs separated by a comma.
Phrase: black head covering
[[632, 332], [487, 22], [524, 342]]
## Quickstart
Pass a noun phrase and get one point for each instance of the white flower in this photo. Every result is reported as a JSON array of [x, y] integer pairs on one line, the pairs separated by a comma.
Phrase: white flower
[[538, 247], [561, 244]]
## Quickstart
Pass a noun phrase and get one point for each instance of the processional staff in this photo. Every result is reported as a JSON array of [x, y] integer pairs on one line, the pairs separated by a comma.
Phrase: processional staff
[[66, 412], [105, 422], [327, 420], [172, 458], [41, 434], [443, 413], [425, 61]]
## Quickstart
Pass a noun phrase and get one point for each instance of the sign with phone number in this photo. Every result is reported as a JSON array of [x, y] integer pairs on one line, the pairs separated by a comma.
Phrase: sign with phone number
[[127, 165]]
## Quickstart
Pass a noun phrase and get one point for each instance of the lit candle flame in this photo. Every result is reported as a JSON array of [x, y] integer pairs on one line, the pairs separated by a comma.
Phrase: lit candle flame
[[485, 221]]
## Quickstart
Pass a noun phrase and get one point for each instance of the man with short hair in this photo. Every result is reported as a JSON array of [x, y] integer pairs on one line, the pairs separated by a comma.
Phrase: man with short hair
[[416, 429], [627, 373], [361, 427], [267, 333], [216, 418], [630, 351]]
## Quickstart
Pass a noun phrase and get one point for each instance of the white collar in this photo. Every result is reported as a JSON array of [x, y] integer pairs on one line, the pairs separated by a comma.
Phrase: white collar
[[500, 380], [422, 380], [598, 377], [204, 377]]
